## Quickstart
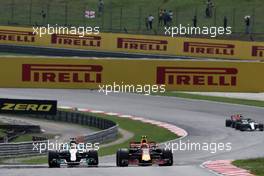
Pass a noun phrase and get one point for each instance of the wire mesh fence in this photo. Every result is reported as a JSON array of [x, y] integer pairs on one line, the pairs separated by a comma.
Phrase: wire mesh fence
[[116, 18]]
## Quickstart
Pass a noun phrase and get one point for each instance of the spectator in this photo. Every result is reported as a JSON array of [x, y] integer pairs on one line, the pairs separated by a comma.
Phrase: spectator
[[194, 21], [165, 17], [150, 21], [209, 9], [43, 14], [247, 23], [207, 14], [170, 17], [147, 23], [100, 7], [225, 23], [160, 16]]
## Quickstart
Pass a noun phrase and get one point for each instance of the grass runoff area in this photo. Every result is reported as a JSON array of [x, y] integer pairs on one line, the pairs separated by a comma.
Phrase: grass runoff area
[[256, 166], [214, 98], [130, 15], [138, 128], [153, 132], [2, 131]]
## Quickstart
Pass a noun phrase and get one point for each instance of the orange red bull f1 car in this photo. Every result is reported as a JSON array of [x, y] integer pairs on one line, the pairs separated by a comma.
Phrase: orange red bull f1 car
[[143, 153]]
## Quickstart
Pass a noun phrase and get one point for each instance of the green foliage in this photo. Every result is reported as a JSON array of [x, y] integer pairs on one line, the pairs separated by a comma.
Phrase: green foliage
[[256, 166]]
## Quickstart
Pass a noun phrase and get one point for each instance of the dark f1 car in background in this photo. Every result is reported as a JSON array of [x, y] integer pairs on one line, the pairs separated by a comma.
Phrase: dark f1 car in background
[[233, 119], [143, 153], [243, 124], [72, 156]]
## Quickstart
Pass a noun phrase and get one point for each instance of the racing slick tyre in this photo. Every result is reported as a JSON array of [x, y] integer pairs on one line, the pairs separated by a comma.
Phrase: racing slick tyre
[[228, 123], [93, 158], [233, 124], [168, 156], [122, 156], [237, 126], [261, 127], [53, 159]]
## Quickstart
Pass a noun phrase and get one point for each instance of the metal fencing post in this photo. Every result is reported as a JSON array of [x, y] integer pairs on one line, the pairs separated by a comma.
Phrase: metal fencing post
[[234, 20], [253, 20], [66, 13], [30, 12], [48, 11], [139, 18], [12, 10], [158, 23], [83, 14], [176, 17], [111, 16], [195, 14], [215, 17], [121, 16], [102, 20]]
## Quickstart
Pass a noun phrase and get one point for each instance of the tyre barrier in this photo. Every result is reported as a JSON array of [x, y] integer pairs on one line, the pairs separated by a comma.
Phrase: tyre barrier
[[26, 128], [108, 132]]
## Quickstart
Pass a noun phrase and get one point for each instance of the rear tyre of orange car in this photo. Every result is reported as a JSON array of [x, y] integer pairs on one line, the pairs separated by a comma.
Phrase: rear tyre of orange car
[[122, 156]]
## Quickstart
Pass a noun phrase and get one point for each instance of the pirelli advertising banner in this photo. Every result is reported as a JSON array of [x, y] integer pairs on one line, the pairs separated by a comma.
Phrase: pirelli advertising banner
[[142, 44], [23, 106], [224, 76]]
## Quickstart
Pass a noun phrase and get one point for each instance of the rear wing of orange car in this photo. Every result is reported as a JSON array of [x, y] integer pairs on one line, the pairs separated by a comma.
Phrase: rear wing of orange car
[[138, 144]]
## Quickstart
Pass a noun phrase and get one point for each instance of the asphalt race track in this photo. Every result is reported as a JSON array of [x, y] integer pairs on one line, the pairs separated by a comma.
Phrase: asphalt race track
[[204, 121]]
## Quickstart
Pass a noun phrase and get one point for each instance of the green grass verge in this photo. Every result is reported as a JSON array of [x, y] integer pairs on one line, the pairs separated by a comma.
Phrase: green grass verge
[[153, 132], [138, 128], [2, 133], [130, 14], [255, 166], [214, 98], [14, 54]]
